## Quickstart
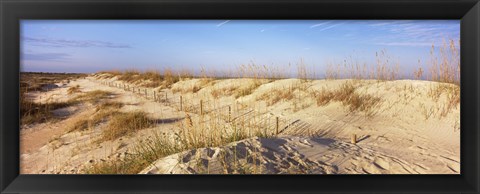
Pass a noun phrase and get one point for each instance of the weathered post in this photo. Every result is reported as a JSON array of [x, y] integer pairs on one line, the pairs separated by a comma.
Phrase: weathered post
[[201, 107], [181, 101], [354, 139], [229, 113], [276, 128], [154, 96], [146, 96]]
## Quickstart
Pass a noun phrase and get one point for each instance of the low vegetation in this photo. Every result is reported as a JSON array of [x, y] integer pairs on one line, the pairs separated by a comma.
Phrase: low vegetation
[[92, 96], [150, 78], [348, 97], [192, 134], [122, 124], [36, 112], [32, 112], [73, 89], [276, 95], [103, 112]]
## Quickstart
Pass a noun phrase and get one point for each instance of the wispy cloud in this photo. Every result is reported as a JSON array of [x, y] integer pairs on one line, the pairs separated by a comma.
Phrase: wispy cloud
[[414, 33], [263, 30], [223, 23], [415, 44], [377, 24], [45, 56], [72, 43], [330, 27], [320, 24]]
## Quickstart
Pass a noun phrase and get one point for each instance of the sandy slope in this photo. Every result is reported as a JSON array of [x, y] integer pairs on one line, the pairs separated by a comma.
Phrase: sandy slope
[[401, 137]]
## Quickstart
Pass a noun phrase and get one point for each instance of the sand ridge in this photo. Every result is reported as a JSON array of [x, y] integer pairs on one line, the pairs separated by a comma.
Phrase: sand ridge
[[396, 139]]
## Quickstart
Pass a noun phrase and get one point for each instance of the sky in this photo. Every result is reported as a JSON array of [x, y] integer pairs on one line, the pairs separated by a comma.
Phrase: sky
[[89, 46]]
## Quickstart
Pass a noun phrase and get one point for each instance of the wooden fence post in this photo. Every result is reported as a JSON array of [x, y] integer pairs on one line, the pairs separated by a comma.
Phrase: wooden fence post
[[181, 101], [201, 107], [154, 96], [354, 139], [229, 113], [146, 96], [276, 128]]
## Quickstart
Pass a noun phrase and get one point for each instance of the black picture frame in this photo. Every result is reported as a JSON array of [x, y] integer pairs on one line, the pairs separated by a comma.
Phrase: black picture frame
[[12, 11]]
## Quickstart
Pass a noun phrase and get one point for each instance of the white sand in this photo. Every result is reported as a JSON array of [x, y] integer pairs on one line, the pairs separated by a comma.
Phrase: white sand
[[397, 139]]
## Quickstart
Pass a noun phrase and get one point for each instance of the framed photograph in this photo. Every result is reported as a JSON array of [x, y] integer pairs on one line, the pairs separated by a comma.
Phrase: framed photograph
[[239, 96]]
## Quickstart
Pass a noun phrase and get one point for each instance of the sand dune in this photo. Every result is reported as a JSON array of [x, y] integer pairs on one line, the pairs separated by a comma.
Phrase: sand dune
[[406, 131]]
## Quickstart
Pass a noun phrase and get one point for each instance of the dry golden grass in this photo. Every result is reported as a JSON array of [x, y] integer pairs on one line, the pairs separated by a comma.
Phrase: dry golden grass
[[103, 113], [150, 78], [451, 93], [109, 105], [220, 92], [444, 64], [143, 154], [276, 95], [92, 96], [202, 83], [32, 112], [122, 124], [240, 92], [193, 134], [79, 125], [73, 89], [37, 81], [348, 97]]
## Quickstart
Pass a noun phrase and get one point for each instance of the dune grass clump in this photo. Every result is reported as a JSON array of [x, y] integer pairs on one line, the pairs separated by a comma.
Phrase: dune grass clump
[[122, 124], [240, 92], [150, 78], [220, 92], [444, 64], [450, 93], [109, 105], [32, 112], [144, 153], [129, 76], [276, 95], [92, 96], [192, 134], [102, 113], [73, 89], [348, 97], [79, 125], [361, 102]]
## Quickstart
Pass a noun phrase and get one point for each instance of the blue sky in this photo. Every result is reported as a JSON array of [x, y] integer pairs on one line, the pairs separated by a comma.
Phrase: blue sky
[[94, 45]]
